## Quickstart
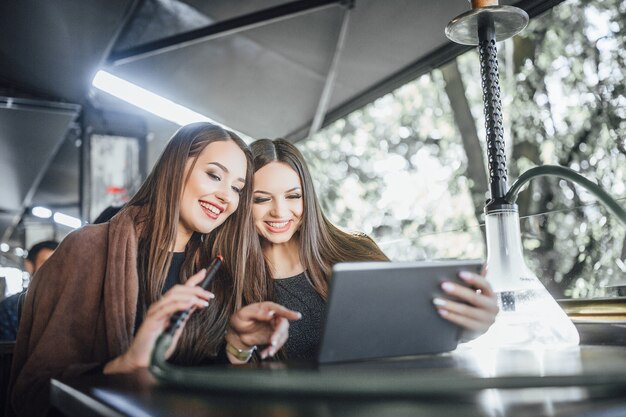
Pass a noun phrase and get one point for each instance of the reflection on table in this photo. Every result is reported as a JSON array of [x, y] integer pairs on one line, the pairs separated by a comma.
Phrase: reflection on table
[[465, 382]]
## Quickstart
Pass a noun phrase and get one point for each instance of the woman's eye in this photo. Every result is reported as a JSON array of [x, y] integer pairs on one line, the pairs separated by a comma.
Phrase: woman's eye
[[259, 200], [214, 176], [237, 190], [294, 196]]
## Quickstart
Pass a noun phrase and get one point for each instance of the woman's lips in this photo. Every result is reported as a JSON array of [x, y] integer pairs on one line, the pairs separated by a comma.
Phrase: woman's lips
[[211, 210], [278, 227]]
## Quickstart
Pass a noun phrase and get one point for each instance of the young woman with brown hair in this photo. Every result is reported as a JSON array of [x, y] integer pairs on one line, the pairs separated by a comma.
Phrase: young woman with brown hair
[[103, 298], [300, 246]]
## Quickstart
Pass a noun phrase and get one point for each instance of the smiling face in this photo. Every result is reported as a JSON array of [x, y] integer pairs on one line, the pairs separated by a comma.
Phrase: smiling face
[[212, 190], [277, 202]]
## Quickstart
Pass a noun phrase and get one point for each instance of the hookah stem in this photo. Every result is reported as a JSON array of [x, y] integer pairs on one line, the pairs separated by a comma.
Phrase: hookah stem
[[493, 111], [490, 77]]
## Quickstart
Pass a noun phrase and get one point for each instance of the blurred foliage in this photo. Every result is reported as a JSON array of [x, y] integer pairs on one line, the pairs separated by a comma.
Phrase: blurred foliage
[[397, 169], [394, 170]]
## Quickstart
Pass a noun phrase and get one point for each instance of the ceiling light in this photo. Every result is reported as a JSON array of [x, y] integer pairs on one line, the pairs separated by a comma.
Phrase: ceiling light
[[42, 212], [146, 100], [151, 102], [66, 220]]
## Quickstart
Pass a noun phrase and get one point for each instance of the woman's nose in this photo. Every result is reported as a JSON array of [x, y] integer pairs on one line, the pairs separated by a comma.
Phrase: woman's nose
[[278, 209], [223, 196]]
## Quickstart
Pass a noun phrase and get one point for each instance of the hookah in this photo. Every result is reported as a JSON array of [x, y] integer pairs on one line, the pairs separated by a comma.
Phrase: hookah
[[529, 317]]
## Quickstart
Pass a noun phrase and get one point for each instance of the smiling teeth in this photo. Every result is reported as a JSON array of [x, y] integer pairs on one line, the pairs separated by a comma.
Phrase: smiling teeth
[[278, 225], [211, 208]]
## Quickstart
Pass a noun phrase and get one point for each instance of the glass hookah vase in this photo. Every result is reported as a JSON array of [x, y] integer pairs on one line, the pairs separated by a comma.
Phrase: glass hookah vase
[[529, 317]]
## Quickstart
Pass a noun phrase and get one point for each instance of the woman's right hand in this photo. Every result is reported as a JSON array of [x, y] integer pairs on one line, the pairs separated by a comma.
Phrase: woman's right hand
[[258, 324], [178, 298]]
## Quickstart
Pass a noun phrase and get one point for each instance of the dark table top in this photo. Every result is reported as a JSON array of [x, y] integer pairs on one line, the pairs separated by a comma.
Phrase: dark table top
[[590, 380]]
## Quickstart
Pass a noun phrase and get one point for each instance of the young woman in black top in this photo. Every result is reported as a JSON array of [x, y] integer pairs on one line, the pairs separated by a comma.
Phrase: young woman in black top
[[300, 246]]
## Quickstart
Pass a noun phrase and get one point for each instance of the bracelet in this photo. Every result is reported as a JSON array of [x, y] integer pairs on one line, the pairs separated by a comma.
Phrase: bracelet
[[242, 355]]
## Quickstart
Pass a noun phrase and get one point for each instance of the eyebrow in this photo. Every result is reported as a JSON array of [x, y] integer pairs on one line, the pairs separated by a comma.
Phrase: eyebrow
[[225, 170], [268, 193]]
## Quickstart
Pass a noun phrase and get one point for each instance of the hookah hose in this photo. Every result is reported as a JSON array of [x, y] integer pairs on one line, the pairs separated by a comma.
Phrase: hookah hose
[[178, 318], [166, 338], [569, 174]]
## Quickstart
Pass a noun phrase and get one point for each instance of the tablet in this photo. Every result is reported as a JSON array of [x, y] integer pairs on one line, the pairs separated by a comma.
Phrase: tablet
[[385, 309]]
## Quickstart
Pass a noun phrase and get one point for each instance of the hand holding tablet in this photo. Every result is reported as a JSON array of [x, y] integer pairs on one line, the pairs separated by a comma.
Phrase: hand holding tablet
[[385, 309], [472, 304]]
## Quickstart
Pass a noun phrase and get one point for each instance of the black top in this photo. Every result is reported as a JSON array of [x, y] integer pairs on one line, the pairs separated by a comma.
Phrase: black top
[[297, 293], [173, 278], [173, 274]]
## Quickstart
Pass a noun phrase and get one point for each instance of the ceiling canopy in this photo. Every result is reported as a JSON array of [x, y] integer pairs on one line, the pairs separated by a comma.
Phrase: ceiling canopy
[[266, 69]]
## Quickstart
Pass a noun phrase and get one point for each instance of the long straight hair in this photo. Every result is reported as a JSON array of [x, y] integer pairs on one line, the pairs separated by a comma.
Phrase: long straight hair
[[159, 197], [322, 244]]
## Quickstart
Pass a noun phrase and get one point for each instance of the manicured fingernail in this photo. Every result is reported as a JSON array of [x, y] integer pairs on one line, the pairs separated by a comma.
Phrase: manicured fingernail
[[205, 304], [211, 295], [442, 312], [272, 352], [467, 276], [447, 286], [299, 316], [263, 355], [439, 301], [273, 342], [271, 313]]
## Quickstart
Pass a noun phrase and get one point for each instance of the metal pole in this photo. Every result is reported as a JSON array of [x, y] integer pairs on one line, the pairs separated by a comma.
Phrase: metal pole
[[329, 84]]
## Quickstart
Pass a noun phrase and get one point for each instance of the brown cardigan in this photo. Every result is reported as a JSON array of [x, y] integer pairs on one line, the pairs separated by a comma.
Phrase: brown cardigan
[[79, 311]]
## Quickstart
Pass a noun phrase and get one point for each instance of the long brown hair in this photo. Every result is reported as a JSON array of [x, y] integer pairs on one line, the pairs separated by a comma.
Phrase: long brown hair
[[159, 197], [322, 244]]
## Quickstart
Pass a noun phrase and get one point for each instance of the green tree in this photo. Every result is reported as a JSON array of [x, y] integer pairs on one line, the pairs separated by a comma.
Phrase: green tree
[[406, 170]]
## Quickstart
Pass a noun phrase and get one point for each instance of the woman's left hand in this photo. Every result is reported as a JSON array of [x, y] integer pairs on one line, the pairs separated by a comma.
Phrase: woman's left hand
[[474, 307]]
